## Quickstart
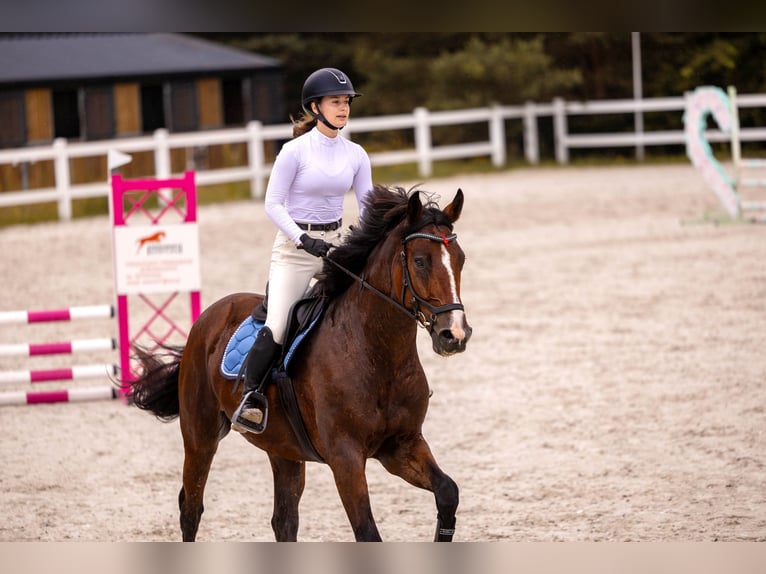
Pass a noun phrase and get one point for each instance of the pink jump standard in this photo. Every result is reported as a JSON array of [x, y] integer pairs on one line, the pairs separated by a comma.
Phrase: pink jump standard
[[153, 263], [156, 257]]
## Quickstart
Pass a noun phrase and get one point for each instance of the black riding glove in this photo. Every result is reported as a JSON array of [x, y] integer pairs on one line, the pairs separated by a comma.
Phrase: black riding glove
[[316, 247]]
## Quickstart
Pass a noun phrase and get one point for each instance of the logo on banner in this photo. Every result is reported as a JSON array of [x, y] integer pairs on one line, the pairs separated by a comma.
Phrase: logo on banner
[[153, 239]]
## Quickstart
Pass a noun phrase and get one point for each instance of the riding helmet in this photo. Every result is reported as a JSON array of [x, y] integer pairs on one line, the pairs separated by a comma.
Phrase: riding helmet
[[326, 82]]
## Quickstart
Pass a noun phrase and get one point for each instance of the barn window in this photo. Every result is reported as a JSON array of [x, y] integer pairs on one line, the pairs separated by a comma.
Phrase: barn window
[[99, 112], [183, 106], [152, 108], [266, 97], [233, 102], [66, 114], [11, 119]]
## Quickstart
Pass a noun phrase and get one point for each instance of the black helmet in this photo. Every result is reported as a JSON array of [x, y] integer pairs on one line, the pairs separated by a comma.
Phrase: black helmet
[[326, 82]]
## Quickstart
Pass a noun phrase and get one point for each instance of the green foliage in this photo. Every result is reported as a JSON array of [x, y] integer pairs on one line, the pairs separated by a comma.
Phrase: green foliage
[[506, 71], [301, 54], [399, 71], [468, 70], [396, 86], [717, 57], [408, 69]]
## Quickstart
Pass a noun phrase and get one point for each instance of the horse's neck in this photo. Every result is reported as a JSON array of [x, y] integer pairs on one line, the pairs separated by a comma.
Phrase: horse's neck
[[387, 331]]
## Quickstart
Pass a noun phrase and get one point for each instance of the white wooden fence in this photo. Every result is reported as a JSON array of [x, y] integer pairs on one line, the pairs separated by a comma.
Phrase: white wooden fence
[[423, 154]]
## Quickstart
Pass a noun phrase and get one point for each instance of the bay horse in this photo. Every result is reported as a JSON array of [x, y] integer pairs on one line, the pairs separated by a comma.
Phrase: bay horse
[[359, 383]]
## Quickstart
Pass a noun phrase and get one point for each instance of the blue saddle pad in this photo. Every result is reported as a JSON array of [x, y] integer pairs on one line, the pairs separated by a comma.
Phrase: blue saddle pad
[[242, 340], [238, 346]]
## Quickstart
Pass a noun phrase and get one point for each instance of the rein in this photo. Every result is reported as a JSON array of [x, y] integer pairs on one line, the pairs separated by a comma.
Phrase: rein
[[416, 313]]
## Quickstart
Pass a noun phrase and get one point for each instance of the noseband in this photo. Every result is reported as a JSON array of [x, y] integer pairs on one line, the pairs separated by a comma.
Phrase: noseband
[[417, 300]]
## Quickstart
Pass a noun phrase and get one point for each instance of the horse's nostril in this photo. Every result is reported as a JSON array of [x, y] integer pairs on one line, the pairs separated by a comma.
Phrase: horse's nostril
[[449, 342]]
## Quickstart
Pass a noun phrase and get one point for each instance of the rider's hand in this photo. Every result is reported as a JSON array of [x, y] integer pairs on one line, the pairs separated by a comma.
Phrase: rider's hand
[[316, 247]]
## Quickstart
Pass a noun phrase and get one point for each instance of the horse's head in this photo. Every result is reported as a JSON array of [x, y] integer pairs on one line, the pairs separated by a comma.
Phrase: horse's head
[[406, 253], [432, 262]]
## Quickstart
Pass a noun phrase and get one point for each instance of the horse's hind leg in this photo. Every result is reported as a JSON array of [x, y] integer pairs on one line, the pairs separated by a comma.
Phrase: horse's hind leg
[[201, 431], [289, 481], [412, 460]]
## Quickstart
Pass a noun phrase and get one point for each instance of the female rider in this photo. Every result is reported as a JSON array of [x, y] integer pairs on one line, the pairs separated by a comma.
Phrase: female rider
[[304, 198]]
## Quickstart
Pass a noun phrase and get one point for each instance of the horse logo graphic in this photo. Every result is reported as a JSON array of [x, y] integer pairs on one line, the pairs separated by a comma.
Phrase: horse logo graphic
[[153, 238]]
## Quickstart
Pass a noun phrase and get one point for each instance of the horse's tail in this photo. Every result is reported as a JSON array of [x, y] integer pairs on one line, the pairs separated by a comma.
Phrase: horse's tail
[[156, 390]]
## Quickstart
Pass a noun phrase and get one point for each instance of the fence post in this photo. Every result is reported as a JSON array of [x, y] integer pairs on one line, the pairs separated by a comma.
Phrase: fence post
[[255, 158], [531, 140], [736, 149], [161, 154], [560, 130], [497, 135], [61, 170], [423, 141]]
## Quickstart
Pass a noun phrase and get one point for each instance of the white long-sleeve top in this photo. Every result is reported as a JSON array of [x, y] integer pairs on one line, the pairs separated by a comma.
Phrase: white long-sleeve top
[[310, 178]]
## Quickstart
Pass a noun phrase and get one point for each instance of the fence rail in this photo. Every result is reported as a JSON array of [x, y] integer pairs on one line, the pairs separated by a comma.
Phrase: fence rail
[[255, 135]]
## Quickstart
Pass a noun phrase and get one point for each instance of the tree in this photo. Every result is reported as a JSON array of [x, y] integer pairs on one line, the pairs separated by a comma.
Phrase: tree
[[507, 71]]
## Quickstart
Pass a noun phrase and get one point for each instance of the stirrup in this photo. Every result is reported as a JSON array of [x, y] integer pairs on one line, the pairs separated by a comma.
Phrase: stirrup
[[257, 401]]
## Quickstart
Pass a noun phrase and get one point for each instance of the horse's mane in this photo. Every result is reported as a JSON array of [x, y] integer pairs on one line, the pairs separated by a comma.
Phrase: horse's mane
[[385, 208]]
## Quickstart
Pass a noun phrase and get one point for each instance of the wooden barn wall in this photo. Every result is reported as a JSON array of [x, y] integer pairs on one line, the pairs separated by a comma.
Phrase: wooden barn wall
[[39, 116], [263, 102], [210, 103], [127, 108], [210, 113]]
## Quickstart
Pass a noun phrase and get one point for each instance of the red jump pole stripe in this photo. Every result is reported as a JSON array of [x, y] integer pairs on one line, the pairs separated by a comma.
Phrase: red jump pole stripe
[[45, 316], [51, 375], [50, 348], [47, 397]]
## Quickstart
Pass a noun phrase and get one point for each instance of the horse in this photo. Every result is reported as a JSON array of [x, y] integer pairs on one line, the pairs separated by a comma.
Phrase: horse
[[360, 387]]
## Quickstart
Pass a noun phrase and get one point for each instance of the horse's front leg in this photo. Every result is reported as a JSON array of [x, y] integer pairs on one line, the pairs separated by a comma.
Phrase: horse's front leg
[[411, 459], [351, 481], [289, 482]]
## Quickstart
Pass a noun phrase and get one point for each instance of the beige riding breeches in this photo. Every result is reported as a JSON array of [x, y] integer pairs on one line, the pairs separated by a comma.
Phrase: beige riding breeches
[[290, 274]]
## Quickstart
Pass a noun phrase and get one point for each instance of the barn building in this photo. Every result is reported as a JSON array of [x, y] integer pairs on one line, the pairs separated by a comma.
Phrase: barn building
[[101, 86]]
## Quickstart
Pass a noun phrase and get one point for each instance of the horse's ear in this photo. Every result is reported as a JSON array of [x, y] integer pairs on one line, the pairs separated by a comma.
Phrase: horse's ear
[[452, 211], [414, 208]]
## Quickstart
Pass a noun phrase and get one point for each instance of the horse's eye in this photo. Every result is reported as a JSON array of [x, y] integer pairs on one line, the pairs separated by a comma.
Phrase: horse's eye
[[420, 262]]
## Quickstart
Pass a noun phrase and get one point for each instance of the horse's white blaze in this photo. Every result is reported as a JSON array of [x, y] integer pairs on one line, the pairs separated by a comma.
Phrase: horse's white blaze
[[456, 324]]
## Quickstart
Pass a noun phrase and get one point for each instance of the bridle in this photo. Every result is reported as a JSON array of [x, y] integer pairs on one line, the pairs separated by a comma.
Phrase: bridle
[[423, 320], [417, 300]]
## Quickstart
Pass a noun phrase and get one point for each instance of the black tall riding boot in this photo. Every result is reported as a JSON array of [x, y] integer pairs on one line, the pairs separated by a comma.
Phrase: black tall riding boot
[[251, 414]]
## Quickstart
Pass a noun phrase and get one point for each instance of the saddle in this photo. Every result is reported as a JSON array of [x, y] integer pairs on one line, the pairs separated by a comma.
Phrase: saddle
[[304, 314], [303, 317]]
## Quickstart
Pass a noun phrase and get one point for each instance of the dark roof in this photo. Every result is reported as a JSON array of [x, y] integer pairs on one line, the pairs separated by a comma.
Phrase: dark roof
[[62, 57]]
